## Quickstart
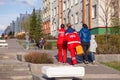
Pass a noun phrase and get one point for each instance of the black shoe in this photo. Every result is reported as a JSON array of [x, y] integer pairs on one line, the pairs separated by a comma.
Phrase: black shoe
[[86, 62]]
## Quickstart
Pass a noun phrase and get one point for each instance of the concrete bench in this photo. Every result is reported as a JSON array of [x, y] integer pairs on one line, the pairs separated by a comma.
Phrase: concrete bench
[[3, 44], [2, 41], [62, 71]]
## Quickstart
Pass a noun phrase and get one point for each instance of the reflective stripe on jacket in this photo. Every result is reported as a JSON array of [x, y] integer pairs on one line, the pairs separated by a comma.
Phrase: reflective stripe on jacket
[[72, 39], [61, 36]]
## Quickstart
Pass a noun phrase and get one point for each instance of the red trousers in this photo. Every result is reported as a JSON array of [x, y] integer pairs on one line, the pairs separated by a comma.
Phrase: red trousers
[[62, 53], [73, 56]]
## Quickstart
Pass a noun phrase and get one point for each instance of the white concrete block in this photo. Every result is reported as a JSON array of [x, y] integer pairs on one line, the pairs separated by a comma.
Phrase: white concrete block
[[2, 41], [63, 71], [4, 44]]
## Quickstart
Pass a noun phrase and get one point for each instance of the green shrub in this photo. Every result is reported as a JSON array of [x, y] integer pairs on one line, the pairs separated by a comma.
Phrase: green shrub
[[112, 46], [50, 37], [48, 45], [38, 58]]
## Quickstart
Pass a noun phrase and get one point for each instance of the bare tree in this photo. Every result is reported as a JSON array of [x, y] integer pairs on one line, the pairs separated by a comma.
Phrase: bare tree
[[115, 25], [25, 24], [106, 14], [115, 21]]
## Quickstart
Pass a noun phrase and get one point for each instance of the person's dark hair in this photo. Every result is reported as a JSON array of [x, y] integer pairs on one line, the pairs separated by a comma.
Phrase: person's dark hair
[[85, 26], [68, 25], [62, 25]]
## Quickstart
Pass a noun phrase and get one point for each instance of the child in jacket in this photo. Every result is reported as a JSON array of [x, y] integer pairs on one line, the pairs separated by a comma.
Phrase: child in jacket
[[92, 49]]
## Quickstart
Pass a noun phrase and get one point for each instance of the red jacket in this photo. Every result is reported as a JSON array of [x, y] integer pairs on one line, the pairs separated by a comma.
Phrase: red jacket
[[61, 36], [72, 39]]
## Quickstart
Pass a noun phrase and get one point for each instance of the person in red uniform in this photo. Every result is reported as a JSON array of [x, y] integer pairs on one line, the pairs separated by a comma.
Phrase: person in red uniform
[[62, 45], [73, 40]]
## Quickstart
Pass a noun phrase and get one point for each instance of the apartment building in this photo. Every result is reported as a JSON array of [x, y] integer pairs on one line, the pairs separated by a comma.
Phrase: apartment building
[[65, 11], [103, 13], [17, 25], [10, 28], [46, 16], [97, 14]]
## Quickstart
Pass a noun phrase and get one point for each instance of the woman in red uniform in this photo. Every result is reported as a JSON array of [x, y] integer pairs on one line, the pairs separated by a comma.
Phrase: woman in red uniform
[[62, 45], [73, 40]]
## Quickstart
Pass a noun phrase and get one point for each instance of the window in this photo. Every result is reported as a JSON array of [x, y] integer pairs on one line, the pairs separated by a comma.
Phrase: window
[[45, 15], [94, 11], [76, 1], [76, 18], [72, 19], [67, 4], [54, 26], [45, 26], [54, 12], [64, 20], [64, 5], [71, 3], [57, 10]]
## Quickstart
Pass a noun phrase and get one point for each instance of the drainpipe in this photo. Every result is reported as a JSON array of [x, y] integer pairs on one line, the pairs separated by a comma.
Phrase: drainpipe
[[58, 12], [90, 14], [62, 6], [84, 11]]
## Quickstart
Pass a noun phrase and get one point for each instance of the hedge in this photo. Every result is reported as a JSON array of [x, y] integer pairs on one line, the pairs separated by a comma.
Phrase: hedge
[[111, 47]]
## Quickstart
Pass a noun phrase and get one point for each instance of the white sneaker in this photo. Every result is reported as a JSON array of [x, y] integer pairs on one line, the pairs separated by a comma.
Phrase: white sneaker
[[93, 62]]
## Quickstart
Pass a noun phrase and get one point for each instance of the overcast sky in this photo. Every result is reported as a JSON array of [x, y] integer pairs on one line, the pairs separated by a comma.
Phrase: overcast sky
[[11, 9]]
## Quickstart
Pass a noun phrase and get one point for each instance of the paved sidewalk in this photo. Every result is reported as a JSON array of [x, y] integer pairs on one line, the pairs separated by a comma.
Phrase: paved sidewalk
[[92, 72], [13, 47]]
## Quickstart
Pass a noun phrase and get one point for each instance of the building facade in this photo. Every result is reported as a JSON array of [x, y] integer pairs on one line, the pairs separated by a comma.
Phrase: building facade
[[106, 11], [68, 11], [96, 14], [46, 16], [7, 30], [10, 28]]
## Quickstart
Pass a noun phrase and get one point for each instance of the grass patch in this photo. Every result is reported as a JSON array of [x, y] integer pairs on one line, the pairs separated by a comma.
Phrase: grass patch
[[21, 42], [54, 43], [115, 65], [51, 44]]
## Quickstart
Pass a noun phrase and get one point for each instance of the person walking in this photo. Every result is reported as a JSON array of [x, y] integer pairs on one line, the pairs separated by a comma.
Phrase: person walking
[[42, 43], [85, 37], [61, 44], [73, 40], [27, 40], [92, 49], [5, 36]]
